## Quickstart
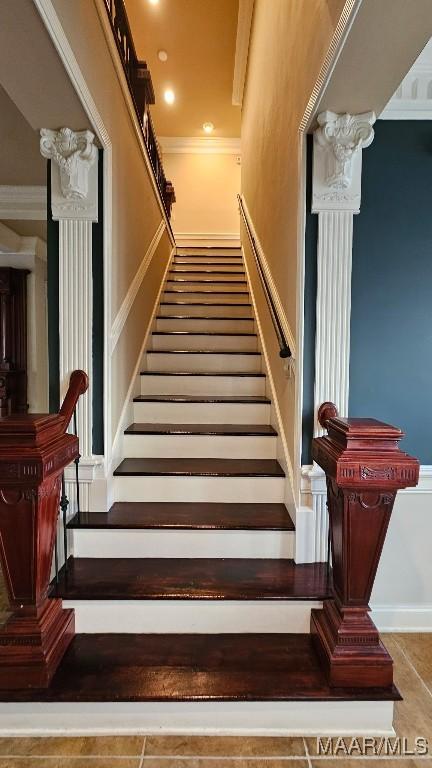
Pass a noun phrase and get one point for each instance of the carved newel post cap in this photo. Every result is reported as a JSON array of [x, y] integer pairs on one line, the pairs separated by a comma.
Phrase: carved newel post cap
[[326, 411], [358, 452]]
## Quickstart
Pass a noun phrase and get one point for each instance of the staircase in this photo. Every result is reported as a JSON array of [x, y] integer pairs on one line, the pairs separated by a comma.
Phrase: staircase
[[191, 613]]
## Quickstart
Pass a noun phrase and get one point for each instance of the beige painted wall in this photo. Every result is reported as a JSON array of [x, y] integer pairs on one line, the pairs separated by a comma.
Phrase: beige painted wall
[[135, 211], [288, 44], [206, 187]]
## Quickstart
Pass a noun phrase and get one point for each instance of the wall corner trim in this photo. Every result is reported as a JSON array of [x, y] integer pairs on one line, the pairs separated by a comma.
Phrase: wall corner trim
[[244, 28], [134, 287], [271, 283]]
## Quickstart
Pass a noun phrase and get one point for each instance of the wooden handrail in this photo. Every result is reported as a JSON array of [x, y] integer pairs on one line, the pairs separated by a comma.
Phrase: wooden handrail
[[141, 89], [78, 384], [285, 350]]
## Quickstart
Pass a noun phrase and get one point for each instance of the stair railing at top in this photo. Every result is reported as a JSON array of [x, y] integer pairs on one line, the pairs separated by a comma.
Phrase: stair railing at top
[[142, 93], [285, 350]]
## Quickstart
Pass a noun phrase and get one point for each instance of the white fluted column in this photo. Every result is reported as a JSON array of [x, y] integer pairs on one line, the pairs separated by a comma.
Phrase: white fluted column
[[74, 201], [333, 302], [336, 197], [76, 318]]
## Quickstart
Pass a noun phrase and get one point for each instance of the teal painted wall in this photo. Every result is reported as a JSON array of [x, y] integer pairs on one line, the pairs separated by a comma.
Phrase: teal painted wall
[[391, 317]]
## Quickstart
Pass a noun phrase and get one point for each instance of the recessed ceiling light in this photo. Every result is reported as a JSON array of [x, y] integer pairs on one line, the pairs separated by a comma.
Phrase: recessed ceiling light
[[208, 127], [162, 55], [169, 96], [153, 2]]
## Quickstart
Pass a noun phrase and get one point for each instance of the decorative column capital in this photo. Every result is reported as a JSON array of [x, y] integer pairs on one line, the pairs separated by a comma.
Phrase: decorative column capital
[[73, 172], [338, 158]]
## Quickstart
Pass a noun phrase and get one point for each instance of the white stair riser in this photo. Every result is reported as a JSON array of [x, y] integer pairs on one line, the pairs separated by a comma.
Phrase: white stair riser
[[209, 297], [203, 309], [218, 718], [227, 490], [195, 325], [192, 616], [199, 446], [224, 386], [215, 276], [178, 543], [235, 255], [209, 285], [202, 413], [207, 269], [170, 361], [202, 341]]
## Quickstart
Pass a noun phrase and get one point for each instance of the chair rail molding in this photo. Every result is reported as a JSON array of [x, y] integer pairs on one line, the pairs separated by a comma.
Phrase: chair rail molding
[[74, 174], [336, 196]]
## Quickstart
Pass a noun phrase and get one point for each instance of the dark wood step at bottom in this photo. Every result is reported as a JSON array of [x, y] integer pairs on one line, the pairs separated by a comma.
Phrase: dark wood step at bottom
[[181, 467], [249, 399], [136, 668], [191, 579], [234, 430], [194, 516]]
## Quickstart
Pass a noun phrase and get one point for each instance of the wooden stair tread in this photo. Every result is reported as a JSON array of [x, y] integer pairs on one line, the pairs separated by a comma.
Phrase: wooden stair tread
[[191, 579], [203, 333], [202, 317], [201, 352], [203, 373], [254, 399], [247, 430], [194, 270], [206, 292], [231, 667], [186, 467], [204, 280], [202, 304], [189, 516]]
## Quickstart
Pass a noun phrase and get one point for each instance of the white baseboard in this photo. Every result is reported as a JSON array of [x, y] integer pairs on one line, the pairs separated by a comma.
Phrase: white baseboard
[[402, 618], [217, 718]]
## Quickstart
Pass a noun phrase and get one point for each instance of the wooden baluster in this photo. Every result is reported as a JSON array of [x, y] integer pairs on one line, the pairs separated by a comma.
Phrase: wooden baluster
[[34, 449], [364, 469]]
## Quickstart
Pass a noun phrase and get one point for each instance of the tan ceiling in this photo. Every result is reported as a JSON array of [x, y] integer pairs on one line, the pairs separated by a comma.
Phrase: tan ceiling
[[20, 159], [28, 228], [199, 37]]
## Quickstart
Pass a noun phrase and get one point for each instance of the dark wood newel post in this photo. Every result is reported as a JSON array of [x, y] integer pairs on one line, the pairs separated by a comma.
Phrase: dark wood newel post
[[34, 450], [365, 468]]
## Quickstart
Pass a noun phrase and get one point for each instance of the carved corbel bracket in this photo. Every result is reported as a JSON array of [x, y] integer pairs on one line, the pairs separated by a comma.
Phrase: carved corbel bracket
[[337, 159], [73, 172]]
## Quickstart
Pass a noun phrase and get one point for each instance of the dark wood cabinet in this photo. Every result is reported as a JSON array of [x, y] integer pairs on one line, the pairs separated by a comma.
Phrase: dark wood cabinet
[[13, 341]]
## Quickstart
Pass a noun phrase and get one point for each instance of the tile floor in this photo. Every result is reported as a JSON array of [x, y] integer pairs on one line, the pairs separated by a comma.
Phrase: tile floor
[[412, 654]]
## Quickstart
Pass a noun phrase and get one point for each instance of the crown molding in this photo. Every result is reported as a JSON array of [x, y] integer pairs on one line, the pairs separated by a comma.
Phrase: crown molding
[[337, 42], [200, 145], [413, 99], [23, 202], [244, 28]]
